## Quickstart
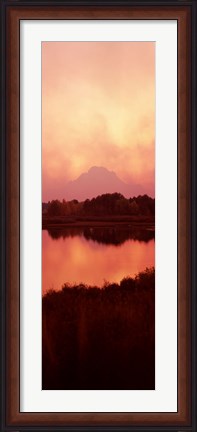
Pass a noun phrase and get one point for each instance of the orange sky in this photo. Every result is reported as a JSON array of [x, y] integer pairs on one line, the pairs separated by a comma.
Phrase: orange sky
[[98, 108]]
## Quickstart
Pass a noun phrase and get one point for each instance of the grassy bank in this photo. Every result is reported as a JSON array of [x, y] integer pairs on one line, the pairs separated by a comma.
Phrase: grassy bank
[[98, 221], [100, 338]]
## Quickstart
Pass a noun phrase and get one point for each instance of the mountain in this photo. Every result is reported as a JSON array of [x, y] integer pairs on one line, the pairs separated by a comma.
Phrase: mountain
[[98, 181]]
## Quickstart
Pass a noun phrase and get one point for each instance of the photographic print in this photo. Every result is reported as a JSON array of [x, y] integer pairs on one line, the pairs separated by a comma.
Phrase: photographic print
[[98, 215]]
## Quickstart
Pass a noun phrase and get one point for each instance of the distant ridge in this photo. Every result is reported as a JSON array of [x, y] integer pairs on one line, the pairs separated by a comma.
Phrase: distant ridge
[[98, 181]]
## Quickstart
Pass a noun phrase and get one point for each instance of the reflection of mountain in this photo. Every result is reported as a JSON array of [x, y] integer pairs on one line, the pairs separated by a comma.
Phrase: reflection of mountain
[[98, 181], [105, 235]]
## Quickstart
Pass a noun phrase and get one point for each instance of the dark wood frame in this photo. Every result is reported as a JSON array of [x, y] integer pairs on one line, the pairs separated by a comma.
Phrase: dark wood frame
[[11, 13]]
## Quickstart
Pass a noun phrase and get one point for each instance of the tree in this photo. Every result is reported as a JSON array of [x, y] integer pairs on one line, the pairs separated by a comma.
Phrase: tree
[[55, 208]]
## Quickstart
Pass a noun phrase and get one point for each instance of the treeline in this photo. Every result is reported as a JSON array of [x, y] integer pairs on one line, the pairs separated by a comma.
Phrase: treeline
[[100, 339], [106, 204]]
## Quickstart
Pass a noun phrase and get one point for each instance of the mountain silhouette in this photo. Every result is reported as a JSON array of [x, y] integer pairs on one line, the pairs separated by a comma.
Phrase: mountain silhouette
[[98, 181]]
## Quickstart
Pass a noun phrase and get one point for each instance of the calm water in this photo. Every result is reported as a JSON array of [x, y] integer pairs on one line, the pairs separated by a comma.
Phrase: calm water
[[94, 255]]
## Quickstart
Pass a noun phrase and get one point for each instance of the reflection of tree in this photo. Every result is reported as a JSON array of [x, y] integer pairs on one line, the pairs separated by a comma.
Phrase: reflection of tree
[[56, 233], [114, 235]]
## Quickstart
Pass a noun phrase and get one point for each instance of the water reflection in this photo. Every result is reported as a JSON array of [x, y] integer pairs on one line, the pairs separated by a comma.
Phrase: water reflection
[[114, 235], [94, 255]]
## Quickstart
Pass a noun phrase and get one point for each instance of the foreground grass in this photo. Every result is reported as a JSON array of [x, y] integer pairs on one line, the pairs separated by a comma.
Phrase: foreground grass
[[100, 338]]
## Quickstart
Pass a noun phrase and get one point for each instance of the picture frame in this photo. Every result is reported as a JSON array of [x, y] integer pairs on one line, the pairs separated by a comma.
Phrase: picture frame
[[11, 14]]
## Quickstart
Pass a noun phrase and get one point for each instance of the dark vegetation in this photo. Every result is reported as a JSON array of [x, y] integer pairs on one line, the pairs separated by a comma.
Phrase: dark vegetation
[[104, 207], [97, 338]]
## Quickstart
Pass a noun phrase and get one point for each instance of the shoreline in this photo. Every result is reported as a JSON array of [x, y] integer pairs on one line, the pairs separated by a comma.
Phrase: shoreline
[[144, 279], [142, 222]]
